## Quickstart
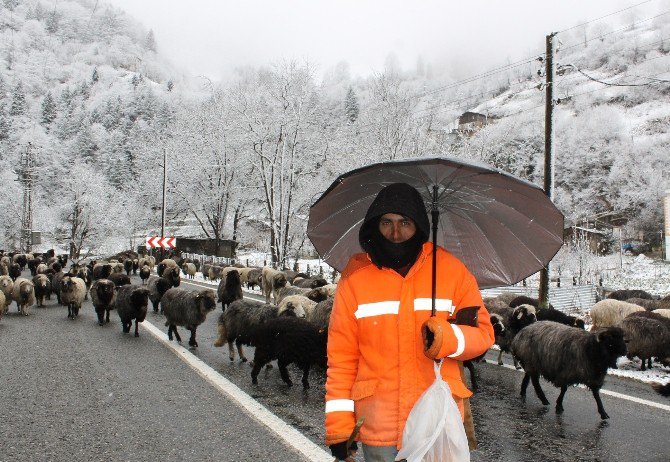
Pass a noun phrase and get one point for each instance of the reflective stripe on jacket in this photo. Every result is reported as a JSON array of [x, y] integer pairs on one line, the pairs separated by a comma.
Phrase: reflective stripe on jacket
[[376, 365]]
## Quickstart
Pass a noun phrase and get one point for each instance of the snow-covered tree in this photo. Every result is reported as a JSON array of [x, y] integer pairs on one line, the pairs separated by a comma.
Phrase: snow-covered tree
[[351, 105]]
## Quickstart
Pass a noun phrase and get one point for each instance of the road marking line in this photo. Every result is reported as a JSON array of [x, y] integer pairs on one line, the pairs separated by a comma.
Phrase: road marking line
[[286, 432], [614, 394]]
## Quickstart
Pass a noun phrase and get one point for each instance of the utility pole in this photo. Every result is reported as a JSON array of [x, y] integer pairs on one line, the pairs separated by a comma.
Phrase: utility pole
[[27, 178], [548, 157], [164, 198]]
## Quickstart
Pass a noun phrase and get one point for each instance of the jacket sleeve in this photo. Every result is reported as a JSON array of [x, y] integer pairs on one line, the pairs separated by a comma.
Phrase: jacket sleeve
[[459, 341], [343, 355]]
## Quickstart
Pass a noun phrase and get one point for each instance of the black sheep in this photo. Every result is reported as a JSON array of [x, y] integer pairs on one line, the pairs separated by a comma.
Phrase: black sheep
[[549, 314], [623, 295], [230, 289], [188, 309], [145, 272], [310, 283], [157, 286], [119, 279], [566, 356], [14, 271], [102, 271], [241, 322], [128, 266], [131, 303], [290, 340], [103, 293]]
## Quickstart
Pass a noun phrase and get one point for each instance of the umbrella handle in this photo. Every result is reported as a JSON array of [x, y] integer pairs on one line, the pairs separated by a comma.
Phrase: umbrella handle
[[435, 215]]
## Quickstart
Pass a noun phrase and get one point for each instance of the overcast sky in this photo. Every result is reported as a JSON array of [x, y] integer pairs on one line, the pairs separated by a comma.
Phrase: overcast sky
[[212, 37]]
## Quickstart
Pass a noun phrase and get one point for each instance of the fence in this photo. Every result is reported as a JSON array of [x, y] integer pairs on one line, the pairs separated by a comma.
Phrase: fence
[[569, 299]]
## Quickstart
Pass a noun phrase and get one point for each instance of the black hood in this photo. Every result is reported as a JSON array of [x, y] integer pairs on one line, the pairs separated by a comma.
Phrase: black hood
[[402, 199]]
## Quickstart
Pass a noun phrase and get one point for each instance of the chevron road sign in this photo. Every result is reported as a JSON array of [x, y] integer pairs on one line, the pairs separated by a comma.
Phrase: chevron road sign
[[161, 242]]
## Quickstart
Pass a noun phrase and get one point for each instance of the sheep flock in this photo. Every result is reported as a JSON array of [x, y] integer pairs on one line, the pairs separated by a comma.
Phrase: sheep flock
[[291, 325]]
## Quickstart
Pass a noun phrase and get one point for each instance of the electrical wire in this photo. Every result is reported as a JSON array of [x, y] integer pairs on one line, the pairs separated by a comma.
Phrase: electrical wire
[[603, 17]]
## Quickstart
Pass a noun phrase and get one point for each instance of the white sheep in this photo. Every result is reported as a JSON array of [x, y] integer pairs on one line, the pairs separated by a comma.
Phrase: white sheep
[[24, 294], [302, 306], [72, 293], [7, 287], [610, 312], [271, 281], [663, 312]]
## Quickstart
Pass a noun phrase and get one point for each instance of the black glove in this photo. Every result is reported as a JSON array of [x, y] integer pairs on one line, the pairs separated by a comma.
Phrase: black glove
[[340, 451]]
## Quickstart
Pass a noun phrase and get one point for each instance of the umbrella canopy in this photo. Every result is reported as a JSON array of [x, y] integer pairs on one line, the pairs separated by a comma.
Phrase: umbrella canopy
[[503, 228]]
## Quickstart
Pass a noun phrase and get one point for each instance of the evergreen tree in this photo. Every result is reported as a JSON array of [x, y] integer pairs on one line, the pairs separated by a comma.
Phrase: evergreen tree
[[10, 56], [39, 12], [52, 22], [11, 4], [150, 41], [49, 110], [95, 77], [170, 85], [351, 105], [19, 105], [5, 124], [85, 146]]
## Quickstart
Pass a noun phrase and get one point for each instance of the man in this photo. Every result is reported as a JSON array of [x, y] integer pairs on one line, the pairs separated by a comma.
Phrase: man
[[379, 361]]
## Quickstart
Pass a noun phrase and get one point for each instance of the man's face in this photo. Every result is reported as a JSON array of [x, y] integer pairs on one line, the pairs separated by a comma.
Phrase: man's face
[[396, 228]]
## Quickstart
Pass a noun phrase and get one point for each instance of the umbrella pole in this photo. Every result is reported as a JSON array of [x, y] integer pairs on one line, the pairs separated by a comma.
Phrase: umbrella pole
[[435, 215]]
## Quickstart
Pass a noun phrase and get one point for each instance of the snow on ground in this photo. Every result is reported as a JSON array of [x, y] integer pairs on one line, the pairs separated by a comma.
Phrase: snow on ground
[[642, 272]]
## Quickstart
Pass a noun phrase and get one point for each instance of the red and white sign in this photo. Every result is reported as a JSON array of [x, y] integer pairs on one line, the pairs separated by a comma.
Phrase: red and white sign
[[161, 242]]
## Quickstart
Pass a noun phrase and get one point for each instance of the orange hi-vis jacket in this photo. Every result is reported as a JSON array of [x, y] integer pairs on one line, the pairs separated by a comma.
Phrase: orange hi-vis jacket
[[376, 365]]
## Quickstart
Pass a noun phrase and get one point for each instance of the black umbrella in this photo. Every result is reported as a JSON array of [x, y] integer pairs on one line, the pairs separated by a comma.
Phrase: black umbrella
[[501, 227]]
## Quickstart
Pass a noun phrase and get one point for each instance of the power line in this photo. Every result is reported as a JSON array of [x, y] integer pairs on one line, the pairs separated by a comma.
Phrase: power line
[[628, 27], [603, 17]]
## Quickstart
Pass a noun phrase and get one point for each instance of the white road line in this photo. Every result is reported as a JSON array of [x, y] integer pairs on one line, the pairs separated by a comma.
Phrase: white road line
[[286, 432], [603, 391]]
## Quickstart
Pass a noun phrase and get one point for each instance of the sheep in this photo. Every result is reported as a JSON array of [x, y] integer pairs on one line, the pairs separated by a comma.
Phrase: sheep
[[214, 272], [72, 292], [302, 306], [254, 278], [651, 315], [205, 270], [189, 270], [103, 296], [165, 264], [172, 274], [610, 312], [117, 268], [498, 330], [230, 289], [102, 270], [271, 281], [128, 266], [567, 356], [240, 323], [292, 275], [119, 279], [4, 271], [244, 274], [310, 283], [524, 300], [290, 340], [514, 320], [622, 295], [21, 260], [495, 305], [157, 287], [185, 308], [145, 272], [41, 268], [290, 290], [23, 294], [321, 314], [646, 338], [7, 288], [550, 314], [647, 304], [42, 288], [663, 312], [131, 303], [86, 274], [506, 297], [14, 271], [2, 304], [56, 279]]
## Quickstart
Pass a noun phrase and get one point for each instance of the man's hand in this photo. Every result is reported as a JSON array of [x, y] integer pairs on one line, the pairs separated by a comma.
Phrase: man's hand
[[340, 452]]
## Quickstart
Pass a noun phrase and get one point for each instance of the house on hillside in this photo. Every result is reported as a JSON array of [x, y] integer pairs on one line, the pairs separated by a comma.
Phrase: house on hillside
[[470, 122]]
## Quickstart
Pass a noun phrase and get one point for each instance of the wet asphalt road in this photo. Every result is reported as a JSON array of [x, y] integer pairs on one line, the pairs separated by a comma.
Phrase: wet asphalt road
[[75, 391]]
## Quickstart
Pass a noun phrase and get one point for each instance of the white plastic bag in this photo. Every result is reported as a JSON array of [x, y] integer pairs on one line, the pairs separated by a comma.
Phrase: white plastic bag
[[434, 430]]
